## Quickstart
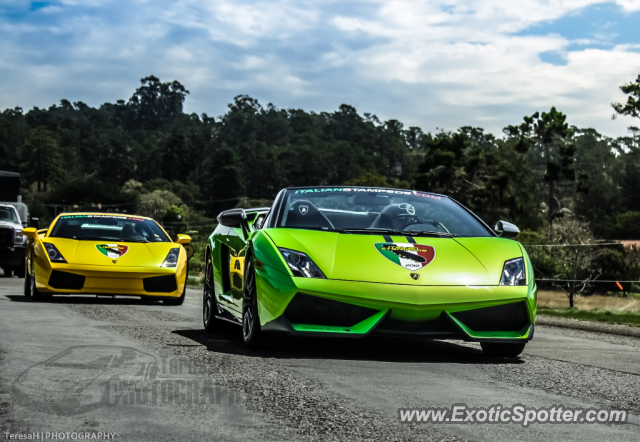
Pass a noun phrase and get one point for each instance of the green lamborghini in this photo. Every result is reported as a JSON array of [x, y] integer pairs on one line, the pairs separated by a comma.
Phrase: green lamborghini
[[357, 261]]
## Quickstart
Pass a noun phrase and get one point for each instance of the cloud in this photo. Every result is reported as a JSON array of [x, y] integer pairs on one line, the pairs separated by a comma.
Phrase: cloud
[[629, 5], [432, 63]]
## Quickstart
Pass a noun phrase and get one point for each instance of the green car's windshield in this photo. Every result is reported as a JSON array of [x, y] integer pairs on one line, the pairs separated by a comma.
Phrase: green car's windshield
[[357, 210], [108, 228]]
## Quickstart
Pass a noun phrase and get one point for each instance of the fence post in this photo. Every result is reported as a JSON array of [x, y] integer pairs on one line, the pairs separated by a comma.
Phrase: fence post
[[573, 280]]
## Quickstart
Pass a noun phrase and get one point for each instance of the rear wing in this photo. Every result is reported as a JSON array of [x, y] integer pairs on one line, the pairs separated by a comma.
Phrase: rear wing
[[257, 210]]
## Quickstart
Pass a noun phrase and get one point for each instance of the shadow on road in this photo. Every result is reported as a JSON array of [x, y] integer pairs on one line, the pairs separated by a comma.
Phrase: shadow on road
[[404, 350], [87, 299]]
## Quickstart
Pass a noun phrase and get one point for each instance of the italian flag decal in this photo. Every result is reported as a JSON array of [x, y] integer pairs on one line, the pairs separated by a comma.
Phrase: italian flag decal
[[407, 255], [112, 251]]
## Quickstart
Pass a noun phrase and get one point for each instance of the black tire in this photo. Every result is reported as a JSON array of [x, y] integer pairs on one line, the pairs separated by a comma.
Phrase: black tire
[[34, 293], [209, 302], [21, 270], [8, 272], [501, 350], [252, 335], [180, 300], [27, 284]]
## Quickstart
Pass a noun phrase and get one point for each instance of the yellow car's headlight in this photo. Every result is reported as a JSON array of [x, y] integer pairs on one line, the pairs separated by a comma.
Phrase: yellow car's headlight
[[172, 258], [54, 253]]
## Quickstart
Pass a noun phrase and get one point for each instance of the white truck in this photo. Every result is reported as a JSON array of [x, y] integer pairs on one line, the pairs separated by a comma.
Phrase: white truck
[[14, 216], [12, 242]]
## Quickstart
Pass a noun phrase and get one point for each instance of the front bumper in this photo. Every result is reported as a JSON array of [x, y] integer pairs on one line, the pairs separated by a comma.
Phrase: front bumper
[[130, 281], [396, 310], [12, 256]]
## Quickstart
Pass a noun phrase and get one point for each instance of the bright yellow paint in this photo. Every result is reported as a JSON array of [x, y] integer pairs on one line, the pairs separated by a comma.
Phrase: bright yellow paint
[[104, 275]]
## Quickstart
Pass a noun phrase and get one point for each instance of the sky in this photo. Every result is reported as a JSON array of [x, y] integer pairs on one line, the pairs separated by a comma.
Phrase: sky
[[436, 64]]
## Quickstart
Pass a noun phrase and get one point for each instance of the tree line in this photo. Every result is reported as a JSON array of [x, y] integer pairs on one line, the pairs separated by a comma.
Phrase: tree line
[[146, 154]]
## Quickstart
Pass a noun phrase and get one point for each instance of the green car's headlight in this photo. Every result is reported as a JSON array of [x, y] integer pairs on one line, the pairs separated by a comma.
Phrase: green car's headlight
[[300, 264], [172, 258], [513, 273]]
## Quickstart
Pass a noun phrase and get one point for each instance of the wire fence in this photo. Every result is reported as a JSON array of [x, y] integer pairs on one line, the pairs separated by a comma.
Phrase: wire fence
[[575, 274], [188, 226]]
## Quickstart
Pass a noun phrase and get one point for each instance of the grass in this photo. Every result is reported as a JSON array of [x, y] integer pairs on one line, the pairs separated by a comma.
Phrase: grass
[[626, 318], [195, 280]]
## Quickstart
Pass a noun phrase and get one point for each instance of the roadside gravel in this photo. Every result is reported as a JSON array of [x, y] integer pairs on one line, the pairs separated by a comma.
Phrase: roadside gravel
[[588, 334], [5, 406], [297, 404], [120, 313], [307, 409], [609, 388], [300, 404], [576, 324]]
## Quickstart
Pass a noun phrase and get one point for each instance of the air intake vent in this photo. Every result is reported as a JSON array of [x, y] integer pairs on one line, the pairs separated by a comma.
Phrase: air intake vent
[[506, 317], [442, 323], [312, 310], [6, 236], [160, 284], [66, 281]]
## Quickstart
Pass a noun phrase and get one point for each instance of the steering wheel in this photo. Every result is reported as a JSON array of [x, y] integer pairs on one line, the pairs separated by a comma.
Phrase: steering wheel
[[408, 220], [412, 219]]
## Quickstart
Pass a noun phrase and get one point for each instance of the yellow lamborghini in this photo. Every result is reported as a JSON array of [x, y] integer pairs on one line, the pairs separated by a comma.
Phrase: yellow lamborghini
[[105, 254]]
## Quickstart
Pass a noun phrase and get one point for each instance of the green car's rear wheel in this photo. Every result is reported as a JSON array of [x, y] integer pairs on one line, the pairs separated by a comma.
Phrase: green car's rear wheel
[[501, 349], [251, 333], [209, 303]]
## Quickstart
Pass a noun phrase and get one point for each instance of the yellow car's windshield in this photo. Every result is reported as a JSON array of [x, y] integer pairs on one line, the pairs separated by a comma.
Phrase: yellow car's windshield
[[108, 227]]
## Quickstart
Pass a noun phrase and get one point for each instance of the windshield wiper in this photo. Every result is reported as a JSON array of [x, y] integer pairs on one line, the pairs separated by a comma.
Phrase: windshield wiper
[[374, 231], [399, 232], [422, 233]]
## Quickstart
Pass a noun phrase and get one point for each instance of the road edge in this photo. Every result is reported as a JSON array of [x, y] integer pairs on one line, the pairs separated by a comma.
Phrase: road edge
[[602, 327]]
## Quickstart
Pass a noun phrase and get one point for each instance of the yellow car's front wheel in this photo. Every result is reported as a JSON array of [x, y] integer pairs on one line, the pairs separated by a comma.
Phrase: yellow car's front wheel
[[180, 300], [30, 289]]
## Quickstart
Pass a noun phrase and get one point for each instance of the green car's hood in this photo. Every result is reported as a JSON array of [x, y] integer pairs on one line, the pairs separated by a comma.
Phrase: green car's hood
[[352, 257]]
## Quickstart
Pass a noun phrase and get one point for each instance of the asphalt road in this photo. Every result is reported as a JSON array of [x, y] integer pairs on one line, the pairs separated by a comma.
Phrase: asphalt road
[[146, 371]]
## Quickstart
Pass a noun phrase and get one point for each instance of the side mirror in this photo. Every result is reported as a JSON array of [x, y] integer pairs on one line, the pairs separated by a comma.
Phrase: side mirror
[[183, 239], [31, 232], [506, 230], [35, 222], [235, 218]]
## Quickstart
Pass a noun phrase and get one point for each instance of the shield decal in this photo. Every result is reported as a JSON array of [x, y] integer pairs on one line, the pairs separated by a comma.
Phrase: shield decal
[[410, 256], [303, 209], [113, 251]]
